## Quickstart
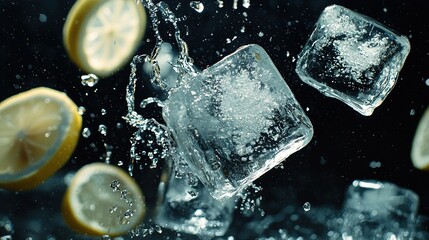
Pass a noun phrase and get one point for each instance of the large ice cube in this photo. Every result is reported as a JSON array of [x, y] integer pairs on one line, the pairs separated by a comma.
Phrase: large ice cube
[[353, 58], [379, 210], [185, 205], [236, 120]]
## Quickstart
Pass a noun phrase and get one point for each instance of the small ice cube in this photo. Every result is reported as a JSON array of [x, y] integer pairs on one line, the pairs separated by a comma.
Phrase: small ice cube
[[235, 121], [353, 58], [188, 207], [375, 208]]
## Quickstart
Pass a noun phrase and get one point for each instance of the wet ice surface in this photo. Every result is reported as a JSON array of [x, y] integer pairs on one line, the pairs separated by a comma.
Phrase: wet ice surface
[[352, 58], [235, 121], [186, 206], [375, 209]]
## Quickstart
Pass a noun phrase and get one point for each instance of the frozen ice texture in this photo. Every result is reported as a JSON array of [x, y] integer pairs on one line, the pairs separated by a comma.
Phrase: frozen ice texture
[[185, 205], [353, 58], [236, 120], [379, 210]]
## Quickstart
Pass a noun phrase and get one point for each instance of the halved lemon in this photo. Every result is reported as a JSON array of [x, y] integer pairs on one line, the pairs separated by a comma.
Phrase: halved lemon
[[103, 199], [100, 36], [420, 146], [39, 130]]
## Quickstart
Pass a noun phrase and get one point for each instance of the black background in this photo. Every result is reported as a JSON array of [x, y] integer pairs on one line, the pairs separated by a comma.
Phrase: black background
[[344, 143]]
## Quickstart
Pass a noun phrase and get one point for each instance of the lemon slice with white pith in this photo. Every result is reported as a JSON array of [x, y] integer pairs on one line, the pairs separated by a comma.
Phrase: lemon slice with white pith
[[420, 145], [100, 36], [103, 199], [39, 130]]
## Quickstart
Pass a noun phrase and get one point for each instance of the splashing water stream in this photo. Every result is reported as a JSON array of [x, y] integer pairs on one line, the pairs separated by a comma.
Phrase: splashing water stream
[[182, 66]]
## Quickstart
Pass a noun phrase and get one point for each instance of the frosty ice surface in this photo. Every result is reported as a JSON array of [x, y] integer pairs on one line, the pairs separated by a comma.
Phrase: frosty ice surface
[[381, 210], [186, 205], [236, 120], [353, 58]]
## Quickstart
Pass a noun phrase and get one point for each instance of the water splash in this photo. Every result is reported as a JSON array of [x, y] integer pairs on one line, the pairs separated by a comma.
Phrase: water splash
[[127, 213], [151, 135], [250, 200], [144, 230]]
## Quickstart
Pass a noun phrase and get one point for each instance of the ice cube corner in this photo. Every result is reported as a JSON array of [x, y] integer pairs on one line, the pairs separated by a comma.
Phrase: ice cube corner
[[352, 58], [236, 120]]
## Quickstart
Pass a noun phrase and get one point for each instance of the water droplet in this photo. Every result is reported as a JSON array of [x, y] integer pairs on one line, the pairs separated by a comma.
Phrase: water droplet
[[102, 129], [246, 3], [115, 185], [113, 209], [81, 110], [412, 112], [6, 237], [197, 6], [307, 206], [43, 18], [86, 133], [120, 163], [124, 194], [89, 80], [374, 164], [260, 34], [157, 228], [103, 111]]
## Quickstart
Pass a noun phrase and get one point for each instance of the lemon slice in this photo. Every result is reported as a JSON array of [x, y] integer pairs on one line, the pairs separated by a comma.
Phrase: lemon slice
[[39, 130], [100, 36], [103, 199], [420, 146]]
